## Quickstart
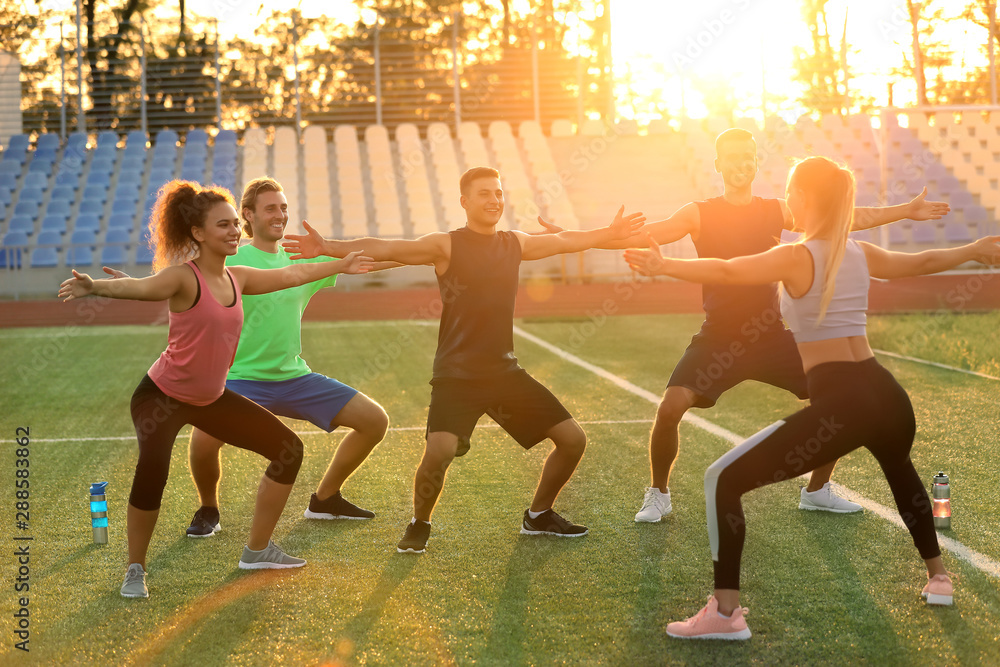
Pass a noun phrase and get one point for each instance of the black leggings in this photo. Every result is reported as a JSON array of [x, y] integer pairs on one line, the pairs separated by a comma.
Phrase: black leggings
[[231, 418], [852, 404]]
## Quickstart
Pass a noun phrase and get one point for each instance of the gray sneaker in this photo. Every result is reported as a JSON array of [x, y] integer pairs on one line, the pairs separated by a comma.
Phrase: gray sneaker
[[135, 582], [268, 558]]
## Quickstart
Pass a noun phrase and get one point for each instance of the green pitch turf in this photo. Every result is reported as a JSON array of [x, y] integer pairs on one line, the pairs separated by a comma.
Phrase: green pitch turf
[[821, 589]]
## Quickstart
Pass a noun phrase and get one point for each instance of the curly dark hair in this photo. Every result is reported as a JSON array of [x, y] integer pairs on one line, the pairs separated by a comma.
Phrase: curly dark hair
[[179, 206]]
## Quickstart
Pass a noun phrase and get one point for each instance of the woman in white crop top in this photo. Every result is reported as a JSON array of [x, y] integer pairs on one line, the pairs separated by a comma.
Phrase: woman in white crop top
[[854, 402], [194, 229]]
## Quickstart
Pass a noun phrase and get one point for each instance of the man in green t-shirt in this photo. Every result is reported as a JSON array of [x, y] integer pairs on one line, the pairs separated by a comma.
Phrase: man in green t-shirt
[[269, 370]]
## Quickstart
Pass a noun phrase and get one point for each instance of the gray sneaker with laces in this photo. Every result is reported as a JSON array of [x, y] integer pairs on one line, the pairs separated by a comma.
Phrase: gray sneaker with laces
[[135, 582], [268, 558]]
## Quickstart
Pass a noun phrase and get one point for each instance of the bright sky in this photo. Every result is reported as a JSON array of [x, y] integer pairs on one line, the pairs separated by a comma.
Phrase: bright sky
[[725, 44]]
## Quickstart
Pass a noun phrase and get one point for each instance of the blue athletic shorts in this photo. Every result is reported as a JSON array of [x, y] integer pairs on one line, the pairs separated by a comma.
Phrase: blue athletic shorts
[[313, 398]]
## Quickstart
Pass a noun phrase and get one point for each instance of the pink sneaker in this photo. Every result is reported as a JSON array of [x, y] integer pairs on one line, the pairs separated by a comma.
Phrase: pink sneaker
[[938, 590], [710, 624]]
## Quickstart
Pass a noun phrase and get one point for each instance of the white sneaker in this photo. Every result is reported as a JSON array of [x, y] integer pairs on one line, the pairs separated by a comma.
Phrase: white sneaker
[[827, 501], [655, 506]]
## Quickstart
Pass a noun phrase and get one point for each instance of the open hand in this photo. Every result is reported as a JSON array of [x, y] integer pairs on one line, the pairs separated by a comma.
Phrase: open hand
[[624, 226], [647, 261], [988, 250], [79, 285], [921, 209], [115, 273], [356, 262], [547, 228], [304, 247]]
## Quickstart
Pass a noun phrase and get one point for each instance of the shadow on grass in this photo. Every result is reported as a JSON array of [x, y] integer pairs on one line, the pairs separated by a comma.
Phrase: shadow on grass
[[506, 639], [647, 628], [395, 572]]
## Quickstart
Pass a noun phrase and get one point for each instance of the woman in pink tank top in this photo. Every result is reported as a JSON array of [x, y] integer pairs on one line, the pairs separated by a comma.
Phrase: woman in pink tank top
[[193, 230], [853, 401]]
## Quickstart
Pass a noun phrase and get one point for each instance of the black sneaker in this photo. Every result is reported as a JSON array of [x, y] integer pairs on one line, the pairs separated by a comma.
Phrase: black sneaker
[[550, 523], [415, 538], [205, 522], [335, 507]]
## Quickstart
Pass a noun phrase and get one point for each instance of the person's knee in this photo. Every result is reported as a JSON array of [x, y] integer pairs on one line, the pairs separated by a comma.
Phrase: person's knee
[[439, 451], [376, 423], [673, 405], [285, 466], [202, 445], [571, 439]]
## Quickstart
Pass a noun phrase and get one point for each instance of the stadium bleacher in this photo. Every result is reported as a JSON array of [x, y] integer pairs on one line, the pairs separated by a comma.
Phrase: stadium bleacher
[[73, 201]]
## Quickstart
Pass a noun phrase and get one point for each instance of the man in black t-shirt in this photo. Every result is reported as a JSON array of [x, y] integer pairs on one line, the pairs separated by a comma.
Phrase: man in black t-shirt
[[743, 336], [475, 370]]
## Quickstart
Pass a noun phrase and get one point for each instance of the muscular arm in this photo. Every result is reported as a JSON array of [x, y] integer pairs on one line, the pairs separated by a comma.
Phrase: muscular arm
[[157, 287], [546, 245], [263, 281], [433, 248], [789, 263], [685, 221], [869, 217], [886, 264]]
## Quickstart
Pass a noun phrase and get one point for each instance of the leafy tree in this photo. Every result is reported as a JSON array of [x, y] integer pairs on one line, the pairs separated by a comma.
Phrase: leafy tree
[[818, 66]]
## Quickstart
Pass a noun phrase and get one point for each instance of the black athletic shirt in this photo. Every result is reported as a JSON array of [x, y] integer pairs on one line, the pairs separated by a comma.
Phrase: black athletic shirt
[[729, 231], [476, 336]]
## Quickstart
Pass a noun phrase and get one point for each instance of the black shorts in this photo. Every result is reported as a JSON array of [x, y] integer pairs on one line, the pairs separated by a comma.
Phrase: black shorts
[[520, 404], [713, 364]]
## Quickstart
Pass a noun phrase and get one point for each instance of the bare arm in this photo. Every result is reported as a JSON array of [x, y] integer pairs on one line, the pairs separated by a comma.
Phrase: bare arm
[[788, 263], [886, 264], [869, 217], [263, 281], [157, 287], [546, 245], [432, 248]]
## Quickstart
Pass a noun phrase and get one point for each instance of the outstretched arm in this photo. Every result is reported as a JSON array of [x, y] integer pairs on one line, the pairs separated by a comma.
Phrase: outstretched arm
[[886, 264], [685, 220], [546, 245], [428, 249], [262, 281], [868, 217], [157, 287], [783, 263]]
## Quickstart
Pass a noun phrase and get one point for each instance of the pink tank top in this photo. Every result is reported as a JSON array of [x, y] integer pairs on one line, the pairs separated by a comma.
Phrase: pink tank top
[[201, 346]]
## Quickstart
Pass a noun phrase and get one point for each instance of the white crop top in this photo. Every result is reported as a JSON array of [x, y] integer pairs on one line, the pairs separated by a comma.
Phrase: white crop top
[[847, 313]]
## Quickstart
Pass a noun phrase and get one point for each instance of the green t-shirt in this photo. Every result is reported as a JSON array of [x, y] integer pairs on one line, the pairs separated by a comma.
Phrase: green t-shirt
[[271, 341]]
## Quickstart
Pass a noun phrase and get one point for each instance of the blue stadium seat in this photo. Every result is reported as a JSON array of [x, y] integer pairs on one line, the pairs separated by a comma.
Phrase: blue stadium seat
[[59, 207], [869, 235], [193, 172], [53, 223], [46, 253], [228, 136], [37, 181], [63, 193], [123, 206], [47, 141], [81, 251], [42, 161], [127, 190], [68, 179], [924, 232], [6, 198], [961, 199], [101, 166], [107, 138], [96, 193], [143, 253], [92, 207], [159, 176], [115, 251], [166, 138], [87, 221], [123, 221], [132, 169], [14, 247], [18, 142], [135, 142], [196, 136], [975, 215], [32, 195], [21, 224], [957, 232], [12, 167], [897, 235], [27, 208], [8, 182]]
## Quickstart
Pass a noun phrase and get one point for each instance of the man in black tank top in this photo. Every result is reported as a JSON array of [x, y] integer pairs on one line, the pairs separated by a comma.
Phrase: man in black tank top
[[475, 370], [743, 336]]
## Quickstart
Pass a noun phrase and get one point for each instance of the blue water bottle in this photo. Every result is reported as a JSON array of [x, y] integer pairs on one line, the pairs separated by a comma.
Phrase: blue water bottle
[[99, 512]]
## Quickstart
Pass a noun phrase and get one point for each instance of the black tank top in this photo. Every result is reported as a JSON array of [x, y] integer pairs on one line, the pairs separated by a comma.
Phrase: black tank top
[[729, 231], [476, 335]]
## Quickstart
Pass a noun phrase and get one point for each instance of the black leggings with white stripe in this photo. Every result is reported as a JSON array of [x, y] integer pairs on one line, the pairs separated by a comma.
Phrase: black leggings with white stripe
[[852, 405]]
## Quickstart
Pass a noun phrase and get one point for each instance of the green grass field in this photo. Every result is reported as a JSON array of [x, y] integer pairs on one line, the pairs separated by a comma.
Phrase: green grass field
[[821, 589]]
